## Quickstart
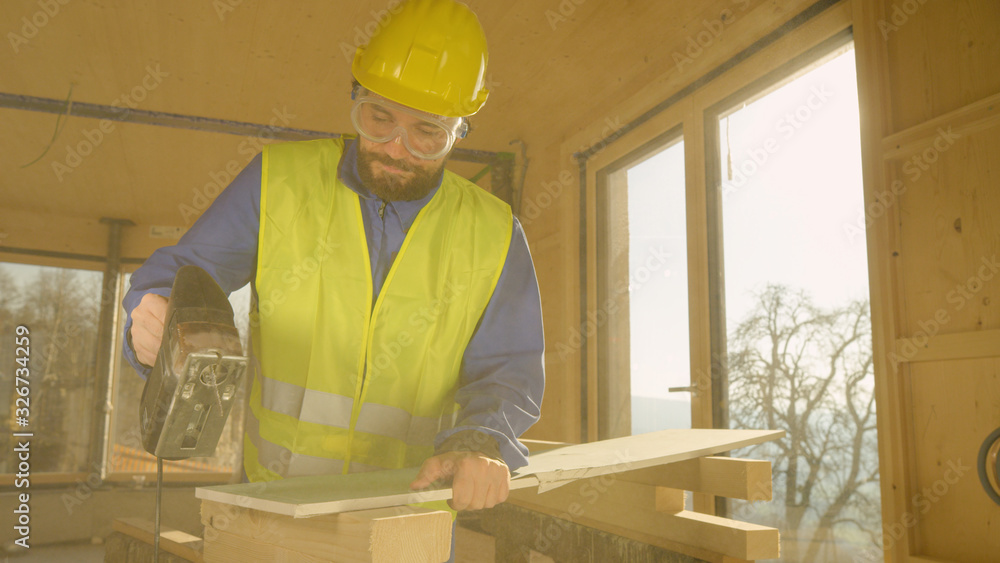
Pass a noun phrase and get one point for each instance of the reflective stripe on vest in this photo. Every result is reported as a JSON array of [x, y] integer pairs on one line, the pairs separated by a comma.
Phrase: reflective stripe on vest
[[342, 385]]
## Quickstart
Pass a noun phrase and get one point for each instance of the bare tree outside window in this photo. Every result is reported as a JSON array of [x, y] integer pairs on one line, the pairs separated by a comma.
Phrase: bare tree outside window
[[60, 306], [808, 371]]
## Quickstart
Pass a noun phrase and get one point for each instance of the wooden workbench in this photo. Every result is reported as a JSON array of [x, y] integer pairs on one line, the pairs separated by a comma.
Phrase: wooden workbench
[[632, 487]]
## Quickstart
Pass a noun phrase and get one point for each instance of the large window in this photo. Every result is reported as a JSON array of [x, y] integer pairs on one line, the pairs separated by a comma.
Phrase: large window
[[60, 310], [795, 307], [644, 293]]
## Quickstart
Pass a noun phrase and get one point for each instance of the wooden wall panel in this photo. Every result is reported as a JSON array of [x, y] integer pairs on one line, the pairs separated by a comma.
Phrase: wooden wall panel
[[928, 71], [949, 249], [940, 52], [956, 404]]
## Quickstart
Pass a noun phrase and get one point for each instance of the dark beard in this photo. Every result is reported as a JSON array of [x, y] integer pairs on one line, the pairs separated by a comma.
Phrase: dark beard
[[390, 188]]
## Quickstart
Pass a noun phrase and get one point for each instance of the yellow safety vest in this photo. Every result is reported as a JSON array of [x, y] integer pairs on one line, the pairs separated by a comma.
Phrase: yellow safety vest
[[344, 386]]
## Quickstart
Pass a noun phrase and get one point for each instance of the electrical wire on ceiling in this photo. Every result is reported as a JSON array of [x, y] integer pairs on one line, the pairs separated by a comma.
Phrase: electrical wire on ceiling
[[59, 125]]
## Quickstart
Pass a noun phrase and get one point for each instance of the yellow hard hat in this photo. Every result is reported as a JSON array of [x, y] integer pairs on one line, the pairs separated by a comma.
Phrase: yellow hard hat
[[431, 55]]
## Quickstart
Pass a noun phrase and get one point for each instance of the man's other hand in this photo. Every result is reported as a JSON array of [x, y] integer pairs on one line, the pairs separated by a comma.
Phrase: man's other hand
[[477, 481], [147, 327]]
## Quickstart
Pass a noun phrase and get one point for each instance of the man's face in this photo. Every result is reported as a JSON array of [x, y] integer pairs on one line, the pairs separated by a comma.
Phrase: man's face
[[391, 172]]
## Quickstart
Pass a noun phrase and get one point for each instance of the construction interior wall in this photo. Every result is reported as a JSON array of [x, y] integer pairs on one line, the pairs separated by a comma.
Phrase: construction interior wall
[[930, 114]]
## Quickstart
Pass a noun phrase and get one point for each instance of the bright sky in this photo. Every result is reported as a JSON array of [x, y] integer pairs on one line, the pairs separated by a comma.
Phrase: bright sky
[[793, 217]]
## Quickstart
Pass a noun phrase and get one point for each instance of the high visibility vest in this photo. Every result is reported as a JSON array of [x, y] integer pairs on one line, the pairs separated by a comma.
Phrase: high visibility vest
[[344, 385]]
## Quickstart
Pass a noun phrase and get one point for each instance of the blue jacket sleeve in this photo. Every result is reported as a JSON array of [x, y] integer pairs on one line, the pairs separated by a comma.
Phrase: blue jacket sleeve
[[503, 373], [223, 241]]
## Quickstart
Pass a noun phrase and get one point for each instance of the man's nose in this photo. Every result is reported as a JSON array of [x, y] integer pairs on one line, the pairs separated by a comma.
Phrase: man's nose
[[395, 148]]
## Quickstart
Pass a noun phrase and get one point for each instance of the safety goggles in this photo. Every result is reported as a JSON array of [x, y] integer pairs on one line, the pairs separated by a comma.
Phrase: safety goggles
[[425, 135]]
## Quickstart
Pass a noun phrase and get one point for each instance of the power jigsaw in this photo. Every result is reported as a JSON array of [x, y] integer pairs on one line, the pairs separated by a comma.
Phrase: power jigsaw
[[192, 386]]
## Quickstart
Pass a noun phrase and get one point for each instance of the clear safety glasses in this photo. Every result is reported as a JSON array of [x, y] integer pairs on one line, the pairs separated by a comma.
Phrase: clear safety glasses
[[425, 135]]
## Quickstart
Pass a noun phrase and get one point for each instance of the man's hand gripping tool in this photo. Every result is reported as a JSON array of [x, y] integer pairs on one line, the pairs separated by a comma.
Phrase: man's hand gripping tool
[[193, 384]]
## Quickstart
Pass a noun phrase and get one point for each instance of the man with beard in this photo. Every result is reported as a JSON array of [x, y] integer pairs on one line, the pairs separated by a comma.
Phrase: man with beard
[[395, 313]]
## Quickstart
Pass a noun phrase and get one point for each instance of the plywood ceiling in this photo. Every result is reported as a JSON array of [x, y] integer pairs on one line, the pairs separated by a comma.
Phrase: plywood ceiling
[[284, 62]]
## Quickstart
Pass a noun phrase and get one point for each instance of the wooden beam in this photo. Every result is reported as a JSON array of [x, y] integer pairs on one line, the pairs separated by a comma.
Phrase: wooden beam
[[181, 544], [617, 506], [235, 534], [974, 117], [669, 500], [953, 346], [232, 548], [745, 479]]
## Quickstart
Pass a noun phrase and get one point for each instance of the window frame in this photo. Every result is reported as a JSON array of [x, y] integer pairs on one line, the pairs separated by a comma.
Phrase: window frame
[[101, 467], [614, 377]]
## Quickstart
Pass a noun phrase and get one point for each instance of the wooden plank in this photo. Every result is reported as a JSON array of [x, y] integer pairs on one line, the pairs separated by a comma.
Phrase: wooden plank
[[614, 386], [301, 497], [383, 535], [745, 479], [953, 346], [637, 452], [875, 108], [614, 509], [932, 71], [972, 118], [669, 500], [955, 406], [325, 494], [949, 240], [181, 544], [232, 548]]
